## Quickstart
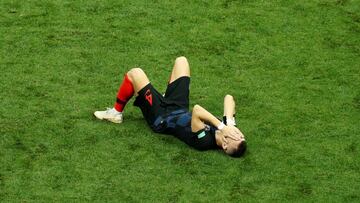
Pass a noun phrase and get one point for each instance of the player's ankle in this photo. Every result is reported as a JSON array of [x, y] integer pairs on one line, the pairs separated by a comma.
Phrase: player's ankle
[[115, 111]]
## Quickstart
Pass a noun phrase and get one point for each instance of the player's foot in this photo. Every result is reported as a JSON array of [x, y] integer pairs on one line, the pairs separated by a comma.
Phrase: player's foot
[[110, 114]]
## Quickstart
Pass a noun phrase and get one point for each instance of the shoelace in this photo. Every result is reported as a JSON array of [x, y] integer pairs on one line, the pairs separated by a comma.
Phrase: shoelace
[[108, 110], [111, 110]]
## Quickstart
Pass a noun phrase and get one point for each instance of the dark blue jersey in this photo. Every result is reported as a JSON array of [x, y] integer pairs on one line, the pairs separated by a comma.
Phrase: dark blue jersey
[[170, 114], [178, 123]]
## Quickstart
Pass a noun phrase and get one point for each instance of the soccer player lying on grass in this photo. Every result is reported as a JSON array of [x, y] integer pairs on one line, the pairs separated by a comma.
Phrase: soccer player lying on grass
[[169, 114]]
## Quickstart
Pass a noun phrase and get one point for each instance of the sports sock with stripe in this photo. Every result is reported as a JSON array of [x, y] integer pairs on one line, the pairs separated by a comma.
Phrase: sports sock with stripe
[[126, 91]]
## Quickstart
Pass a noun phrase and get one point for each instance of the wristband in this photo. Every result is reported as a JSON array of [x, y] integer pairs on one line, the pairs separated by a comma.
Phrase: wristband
[[224, 120], [221, 126], [231, 122]]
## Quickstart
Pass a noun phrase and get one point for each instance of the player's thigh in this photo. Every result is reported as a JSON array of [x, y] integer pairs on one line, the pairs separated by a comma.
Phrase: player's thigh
[[149, 100], [181, 68], [179, 91]]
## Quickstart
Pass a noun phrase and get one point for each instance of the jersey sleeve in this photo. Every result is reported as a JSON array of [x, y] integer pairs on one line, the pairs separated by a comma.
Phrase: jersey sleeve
[[205, 139]]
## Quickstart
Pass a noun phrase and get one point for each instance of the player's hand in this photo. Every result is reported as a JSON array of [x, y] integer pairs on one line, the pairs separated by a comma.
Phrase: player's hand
[[239, 132], [232, 132]]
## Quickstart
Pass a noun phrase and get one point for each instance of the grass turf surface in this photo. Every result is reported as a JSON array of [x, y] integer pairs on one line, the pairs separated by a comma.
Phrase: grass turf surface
[[292, 66]]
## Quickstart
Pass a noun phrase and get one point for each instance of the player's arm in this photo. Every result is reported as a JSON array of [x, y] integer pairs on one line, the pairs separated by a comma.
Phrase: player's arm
[[201, 115], [229, 110]]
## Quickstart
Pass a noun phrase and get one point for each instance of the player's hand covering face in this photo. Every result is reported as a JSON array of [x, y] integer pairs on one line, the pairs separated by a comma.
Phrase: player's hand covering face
[[231, 138], [233, 133]]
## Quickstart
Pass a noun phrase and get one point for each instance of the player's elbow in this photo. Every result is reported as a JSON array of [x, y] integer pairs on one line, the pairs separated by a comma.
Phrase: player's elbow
[[196, 108], [196, 111]]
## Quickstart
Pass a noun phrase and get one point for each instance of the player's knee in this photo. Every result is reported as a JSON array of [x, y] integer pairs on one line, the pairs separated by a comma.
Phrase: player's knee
[[228, 96], [181, 59], [135, 73], [135, 70]]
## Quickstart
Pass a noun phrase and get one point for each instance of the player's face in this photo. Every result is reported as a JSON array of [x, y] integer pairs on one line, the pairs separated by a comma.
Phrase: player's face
[[230, 145]]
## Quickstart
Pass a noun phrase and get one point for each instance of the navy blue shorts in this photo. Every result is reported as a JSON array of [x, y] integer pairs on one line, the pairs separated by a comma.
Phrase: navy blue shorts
[[154, 104]]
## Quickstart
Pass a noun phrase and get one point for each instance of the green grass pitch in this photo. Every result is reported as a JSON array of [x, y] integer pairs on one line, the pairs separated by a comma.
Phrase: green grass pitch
[[292, 66]]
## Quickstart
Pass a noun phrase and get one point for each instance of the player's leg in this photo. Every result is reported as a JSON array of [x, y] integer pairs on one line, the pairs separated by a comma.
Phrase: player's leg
[[134, 80], [179, 83], [181, 68], [138, 79]]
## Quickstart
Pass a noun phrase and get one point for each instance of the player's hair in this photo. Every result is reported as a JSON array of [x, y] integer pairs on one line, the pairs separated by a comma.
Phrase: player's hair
[[240, 149]]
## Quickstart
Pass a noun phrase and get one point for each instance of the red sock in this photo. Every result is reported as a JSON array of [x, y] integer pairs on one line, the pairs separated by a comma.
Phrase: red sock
[[126, 91]]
